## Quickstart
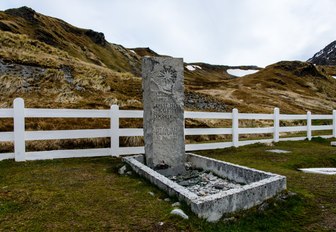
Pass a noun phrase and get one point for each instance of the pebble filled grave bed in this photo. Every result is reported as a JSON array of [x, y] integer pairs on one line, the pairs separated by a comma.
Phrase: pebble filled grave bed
[[204, 183]]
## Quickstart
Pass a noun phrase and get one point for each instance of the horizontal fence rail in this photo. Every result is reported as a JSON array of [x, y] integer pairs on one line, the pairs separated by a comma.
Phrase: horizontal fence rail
[[66, 134], [65, 113], [6, 137], [6, 113], [19, 135]]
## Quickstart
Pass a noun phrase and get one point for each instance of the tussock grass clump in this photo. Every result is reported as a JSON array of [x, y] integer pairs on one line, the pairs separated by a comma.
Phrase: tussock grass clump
[[21, 49]]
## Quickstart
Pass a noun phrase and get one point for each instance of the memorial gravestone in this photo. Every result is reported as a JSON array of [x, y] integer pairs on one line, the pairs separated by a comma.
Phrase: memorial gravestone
[[165, 152], [163, 95]]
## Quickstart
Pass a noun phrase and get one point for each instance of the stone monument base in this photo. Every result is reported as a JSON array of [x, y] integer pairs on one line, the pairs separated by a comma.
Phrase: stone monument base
[[257, 186]]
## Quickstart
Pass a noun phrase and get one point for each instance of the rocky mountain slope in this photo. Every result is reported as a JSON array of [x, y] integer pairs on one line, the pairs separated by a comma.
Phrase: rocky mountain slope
[[53, 64], [327, 56]]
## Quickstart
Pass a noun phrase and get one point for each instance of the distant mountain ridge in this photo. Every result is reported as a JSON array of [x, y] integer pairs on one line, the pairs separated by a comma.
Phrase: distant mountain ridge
[[327, 56]]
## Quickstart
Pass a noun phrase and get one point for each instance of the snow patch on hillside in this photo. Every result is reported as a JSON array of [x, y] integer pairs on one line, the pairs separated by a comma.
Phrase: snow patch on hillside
[[334, 77], [241, 72], [193, 67], [319, 53]]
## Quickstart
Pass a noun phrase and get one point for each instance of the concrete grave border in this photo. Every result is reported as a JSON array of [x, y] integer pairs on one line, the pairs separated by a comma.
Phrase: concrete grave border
[[259, 186]]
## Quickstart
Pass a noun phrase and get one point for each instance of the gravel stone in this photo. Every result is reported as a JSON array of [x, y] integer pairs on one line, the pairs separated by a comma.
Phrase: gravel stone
[[180, 213], [204, 183], [176, 204]]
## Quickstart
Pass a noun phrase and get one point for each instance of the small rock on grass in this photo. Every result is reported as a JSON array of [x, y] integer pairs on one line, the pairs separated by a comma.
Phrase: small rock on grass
[[122, 170], [269, 144], [176, 204], [285, 195], [180, 213], [167, 199], [151, 193], [263, 206]]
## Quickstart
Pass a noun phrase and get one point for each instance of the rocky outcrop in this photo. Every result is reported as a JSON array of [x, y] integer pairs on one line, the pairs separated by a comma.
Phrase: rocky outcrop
[[300, 69], [27, 77], [96, 37], [24, 12], [132, 58], [24, 71], [327, 56], [197, 101]]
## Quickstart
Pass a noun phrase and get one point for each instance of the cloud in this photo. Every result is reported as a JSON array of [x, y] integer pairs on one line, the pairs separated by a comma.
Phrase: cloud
[[230, 32]]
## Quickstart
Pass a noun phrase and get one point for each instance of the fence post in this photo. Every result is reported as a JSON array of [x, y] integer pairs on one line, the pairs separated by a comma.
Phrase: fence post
[[19, 130], [114, 115], [276, 124], [309, 126], [235, 128], [334, 123]]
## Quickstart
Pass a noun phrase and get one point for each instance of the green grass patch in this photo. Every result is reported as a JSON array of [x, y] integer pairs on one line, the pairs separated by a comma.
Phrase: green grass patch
[[88, 194]]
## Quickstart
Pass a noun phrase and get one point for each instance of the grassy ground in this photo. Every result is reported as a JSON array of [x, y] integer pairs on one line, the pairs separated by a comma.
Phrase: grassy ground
[[87, 194]]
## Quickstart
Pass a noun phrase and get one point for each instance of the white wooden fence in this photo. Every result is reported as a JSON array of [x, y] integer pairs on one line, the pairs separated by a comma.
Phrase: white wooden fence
[[19, 136]]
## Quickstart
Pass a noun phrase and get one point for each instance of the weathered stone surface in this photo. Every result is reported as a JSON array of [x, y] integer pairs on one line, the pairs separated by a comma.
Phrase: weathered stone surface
[[163, 96]]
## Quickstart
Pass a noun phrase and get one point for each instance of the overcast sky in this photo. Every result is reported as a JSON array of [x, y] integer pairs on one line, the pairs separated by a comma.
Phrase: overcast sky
[[228, 32]]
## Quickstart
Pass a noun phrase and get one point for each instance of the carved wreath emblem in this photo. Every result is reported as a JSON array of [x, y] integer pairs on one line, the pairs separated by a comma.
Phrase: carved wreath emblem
[[167, 78]]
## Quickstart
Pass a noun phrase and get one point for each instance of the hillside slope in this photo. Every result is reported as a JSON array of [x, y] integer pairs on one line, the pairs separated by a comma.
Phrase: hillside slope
[[86, 45], [72, 67], [293, 86]]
